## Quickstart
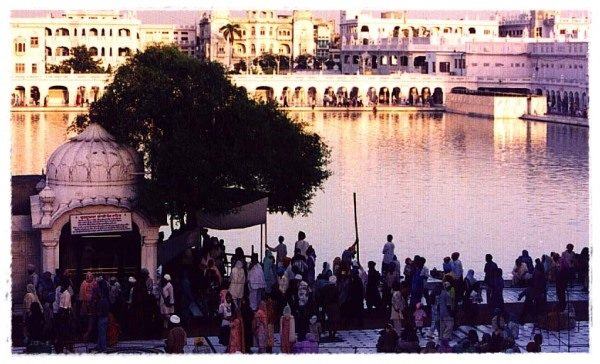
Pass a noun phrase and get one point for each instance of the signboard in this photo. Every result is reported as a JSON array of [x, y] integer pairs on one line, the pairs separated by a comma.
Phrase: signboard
[[100, 223]]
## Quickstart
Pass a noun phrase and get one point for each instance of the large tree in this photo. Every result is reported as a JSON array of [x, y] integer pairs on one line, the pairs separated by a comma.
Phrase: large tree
[[81, 61], [200, 135], [229, 32]]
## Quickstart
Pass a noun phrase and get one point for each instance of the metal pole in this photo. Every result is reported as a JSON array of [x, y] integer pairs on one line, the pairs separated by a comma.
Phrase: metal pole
[[261, 241], [356, 229], [266, 239]]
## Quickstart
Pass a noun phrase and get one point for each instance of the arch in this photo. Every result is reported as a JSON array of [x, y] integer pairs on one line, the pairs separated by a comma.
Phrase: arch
[[413, 95], [240, 48], [328, 96], [571, 103], [34, 94], [396, 95], [58, 96], [565, 105], [312, 96], [124, 32], [285, 96], [552, 99], [264, 93], [539, 91], [396, 32], [93, 51], [93, 32], [384, 95], [372, 96], [284, 48], [405, 33], [102, 32], [438, 96], [102, 52], [364, 28], [18, 97], [62, 51], [472, 30], [48, 32], [62, 32], [83, 32], [80, 98], [48, 51], [299, 96], [425, 95], [383, 60], [95, 93]]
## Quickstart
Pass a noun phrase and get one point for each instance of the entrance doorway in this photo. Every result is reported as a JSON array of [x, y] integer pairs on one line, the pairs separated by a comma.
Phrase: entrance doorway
[[117, 253]]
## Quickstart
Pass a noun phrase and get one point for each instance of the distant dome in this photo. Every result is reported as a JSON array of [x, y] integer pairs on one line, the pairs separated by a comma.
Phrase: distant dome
[[93, 158]]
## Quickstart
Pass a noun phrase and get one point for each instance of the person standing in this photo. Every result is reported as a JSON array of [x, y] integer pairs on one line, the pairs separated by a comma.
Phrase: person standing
[[176, 337], [63, 321], [259, 325], [287, 330], [102, 309], [167, 300], [269, 271], [490, 273], [388, 254], [236, 338], [29, 299], [398, 306], [237, 282], [86, 306], [444, 302], [372, 291], [301, 244], [256, 282], [280, 250], [226, 309]]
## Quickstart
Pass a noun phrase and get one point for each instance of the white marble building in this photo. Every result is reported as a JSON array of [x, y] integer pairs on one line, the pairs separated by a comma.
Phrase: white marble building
[[88, 175]]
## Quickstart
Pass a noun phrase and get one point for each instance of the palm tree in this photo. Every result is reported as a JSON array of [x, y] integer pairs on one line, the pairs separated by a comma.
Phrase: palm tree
[[229, 32]]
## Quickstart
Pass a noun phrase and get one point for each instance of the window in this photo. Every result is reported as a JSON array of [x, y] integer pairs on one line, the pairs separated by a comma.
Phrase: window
[[487, 32], [473, 64], [499, 65], [444, 67], [355, 59], [34, 68], [346, 59], [20, 47], [563, 31], [486, 65], [34, 42], [20, 68]]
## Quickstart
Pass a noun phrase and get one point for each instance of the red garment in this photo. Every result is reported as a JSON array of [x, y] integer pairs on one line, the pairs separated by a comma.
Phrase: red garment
[[236, 337]]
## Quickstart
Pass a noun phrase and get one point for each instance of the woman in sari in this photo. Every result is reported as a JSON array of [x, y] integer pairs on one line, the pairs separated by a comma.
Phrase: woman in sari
[[259, 326], [287, 331], [236, 336]]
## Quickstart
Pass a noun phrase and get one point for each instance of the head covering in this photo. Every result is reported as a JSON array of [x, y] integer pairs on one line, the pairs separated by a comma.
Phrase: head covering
[[113, 279], [446, 284], [174, 319], [30, 288], [287, 310], [167, 277], [418, 305], [224, 295], [313, 319], [131, 280], [239, 264], [298, 277], [333, 279]]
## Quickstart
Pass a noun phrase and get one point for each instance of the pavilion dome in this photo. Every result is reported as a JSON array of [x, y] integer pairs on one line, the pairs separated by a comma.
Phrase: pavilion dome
[[93, 159]]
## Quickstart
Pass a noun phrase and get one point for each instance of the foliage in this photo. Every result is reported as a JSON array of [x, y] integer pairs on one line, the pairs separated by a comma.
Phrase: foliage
[[302, 61], [229, 32], [240, 67], [200, 134], [269, 61], [81, 61]]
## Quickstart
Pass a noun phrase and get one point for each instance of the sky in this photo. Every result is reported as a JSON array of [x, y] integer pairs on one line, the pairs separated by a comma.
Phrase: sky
[[187, 17]]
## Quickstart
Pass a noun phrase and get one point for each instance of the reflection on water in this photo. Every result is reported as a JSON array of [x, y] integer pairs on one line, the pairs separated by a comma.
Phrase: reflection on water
[[438, 183]]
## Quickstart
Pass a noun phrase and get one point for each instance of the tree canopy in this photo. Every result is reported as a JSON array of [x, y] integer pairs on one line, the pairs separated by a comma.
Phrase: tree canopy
[[200, 134], [81, 61]]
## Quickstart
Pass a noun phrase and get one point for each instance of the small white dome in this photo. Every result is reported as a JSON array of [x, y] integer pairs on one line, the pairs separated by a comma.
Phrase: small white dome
[[92, 159]]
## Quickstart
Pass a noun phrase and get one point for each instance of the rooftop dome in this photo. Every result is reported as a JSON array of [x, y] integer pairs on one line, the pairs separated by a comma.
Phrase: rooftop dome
[[93, 159]]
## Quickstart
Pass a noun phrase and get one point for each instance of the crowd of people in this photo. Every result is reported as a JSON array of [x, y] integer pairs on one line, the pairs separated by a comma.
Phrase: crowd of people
[[287, 294]]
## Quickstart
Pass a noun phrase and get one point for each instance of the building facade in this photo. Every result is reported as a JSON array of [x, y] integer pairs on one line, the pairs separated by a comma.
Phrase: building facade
[[263, 32], [111, 36]]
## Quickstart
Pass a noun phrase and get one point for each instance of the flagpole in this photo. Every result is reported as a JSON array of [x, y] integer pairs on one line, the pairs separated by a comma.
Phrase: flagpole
[[356, 229]]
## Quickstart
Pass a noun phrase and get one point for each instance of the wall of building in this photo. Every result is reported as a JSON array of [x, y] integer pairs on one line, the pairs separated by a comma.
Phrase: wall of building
[[495, 106], [25, 250]]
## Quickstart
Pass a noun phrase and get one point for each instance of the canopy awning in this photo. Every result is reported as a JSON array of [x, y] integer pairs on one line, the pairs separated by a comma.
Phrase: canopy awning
[[247, 209]]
